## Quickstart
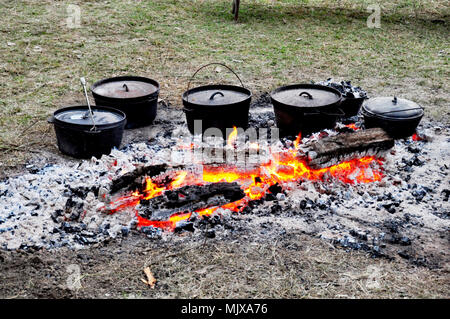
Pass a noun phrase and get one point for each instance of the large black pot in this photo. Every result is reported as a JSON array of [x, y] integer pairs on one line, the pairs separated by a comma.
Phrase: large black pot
[[216, 106], [398, 117], [75, 134], [136, 96], [305, 108]]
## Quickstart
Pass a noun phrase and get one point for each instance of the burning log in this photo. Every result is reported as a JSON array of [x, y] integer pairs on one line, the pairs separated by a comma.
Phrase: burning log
[[332, 150], [188, 199], [134, 179]]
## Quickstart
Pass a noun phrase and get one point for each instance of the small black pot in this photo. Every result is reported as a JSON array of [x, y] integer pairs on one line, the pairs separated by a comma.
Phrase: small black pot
[[351, 106], [305, 108], [75, 136], [136, 96], [398, 117]]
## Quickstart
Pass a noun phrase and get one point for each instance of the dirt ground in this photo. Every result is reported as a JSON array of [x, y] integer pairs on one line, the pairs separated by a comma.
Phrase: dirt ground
[[292, 266]]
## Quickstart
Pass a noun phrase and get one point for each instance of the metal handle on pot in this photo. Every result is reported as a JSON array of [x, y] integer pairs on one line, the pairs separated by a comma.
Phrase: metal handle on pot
[[319, 112], [126, 87], [394, 100], [206, 65], [97, 131], [83, 83], [395, 111], [51, 120], [342, 113], [307, 94], [214, 94], [184, 109]]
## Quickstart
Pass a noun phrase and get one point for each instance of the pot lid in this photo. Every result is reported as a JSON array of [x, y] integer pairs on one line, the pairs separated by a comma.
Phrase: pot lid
[[124, 87], [306, 95], [80, 115], [393, 107], [216, 95]]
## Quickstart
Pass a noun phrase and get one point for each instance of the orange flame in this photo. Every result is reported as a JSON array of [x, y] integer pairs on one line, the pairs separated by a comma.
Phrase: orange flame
[[298, 140], [232, 137], [178, 180], [284, 167], [151, 189]]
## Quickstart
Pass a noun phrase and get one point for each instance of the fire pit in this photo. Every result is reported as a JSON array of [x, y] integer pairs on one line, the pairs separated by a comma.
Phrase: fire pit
[[392, 204]]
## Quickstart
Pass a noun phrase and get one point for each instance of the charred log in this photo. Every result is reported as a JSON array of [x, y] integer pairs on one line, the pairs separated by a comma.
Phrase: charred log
[[134, 179], [332, 150], [189, 199]]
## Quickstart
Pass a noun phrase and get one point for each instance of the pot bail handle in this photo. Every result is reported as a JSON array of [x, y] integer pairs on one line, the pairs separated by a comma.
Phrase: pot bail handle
[[395, 101], [403, 110], [341, 112], [125, 87], [206, 65], [307, 94], [214, 94]]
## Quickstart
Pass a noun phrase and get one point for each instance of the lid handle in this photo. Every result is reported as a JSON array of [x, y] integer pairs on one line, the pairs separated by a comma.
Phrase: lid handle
[[394, 100], [126, 87], [307, 94], [214, 94]]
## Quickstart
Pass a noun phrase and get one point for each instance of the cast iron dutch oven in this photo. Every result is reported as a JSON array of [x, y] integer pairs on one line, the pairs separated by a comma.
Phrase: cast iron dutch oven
[[398, 117], [305, 108], [77, 135], [216, 106], [136, 96], [351, 105]]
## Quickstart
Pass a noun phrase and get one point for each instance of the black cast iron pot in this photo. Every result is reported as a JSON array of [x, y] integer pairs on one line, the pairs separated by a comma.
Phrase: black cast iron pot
[[216, 106], [398, 117], [351, 106], [136, 96], [305, 108], [76, 135]]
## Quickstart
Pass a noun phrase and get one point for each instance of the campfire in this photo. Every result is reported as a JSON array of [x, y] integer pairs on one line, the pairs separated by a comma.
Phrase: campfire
[[353, 186], [284, 167]]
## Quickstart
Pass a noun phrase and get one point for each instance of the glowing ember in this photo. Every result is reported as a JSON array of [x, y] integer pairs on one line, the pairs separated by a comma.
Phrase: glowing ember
[[353, 126], [254, 146], [285, 166], [416, 137]]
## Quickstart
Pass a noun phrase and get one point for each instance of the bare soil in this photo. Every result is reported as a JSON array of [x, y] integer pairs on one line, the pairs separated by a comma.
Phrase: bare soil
[[292, 266]]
